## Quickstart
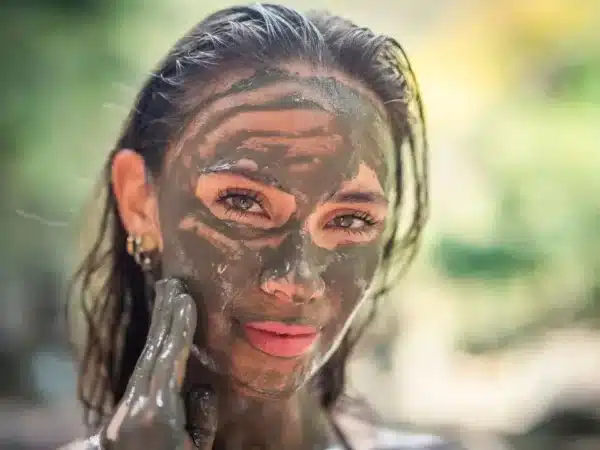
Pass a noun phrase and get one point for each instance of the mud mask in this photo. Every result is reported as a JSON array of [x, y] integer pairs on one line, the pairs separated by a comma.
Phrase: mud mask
[[272, 211]]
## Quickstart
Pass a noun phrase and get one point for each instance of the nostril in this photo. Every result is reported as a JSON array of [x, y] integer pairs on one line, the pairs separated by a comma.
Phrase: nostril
[[294, 289]]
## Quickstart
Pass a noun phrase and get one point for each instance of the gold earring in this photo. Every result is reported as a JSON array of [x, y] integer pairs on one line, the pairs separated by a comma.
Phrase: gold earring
[[141, 249]]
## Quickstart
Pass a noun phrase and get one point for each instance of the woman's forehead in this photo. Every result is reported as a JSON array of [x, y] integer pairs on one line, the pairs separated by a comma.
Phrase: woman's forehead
[[277, 113], [245, 79]]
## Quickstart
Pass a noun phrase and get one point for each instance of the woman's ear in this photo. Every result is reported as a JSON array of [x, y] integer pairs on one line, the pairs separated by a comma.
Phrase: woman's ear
[[136, 198]]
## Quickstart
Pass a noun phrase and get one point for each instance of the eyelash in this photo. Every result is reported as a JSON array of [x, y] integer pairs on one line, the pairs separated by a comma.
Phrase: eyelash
[[368, 219], [365, 217], [256, 197]]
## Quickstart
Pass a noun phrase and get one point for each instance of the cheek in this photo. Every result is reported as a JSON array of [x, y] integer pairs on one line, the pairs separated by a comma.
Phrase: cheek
[[210, 271], [350, 274], [217, 282]]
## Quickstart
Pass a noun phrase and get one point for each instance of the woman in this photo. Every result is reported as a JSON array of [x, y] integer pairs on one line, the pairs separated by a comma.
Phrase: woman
[[261, 176]]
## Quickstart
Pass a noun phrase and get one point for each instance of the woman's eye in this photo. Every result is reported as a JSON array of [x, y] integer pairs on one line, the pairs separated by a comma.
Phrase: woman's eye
[[348, 222], [243, 203]]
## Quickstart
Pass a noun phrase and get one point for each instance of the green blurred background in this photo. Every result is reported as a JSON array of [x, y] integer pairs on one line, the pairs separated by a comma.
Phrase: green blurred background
[[492, 337]]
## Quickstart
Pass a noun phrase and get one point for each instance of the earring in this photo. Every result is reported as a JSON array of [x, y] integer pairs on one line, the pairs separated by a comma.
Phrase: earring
[[141, 249]]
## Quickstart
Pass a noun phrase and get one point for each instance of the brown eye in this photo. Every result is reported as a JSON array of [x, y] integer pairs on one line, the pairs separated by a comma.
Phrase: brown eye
[[346, 222], [242, 202], [237, 200], [334, 225], [349, 222]]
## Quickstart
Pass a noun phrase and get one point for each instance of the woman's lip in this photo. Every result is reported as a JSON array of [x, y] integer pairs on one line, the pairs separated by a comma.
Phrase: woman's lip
[[280, 339], [282, 328]]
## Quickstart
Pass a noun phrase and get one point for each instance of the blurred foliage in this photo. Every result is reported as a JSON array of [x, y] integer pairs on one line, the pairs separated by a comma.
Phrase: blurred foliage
[[58, 61], [459, 259], [542, 163]]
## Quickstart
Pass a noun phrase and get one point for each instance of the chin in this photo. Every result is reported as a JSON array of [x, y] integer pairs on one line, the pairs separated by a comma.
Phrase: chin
[[264, 392], [255, 374]]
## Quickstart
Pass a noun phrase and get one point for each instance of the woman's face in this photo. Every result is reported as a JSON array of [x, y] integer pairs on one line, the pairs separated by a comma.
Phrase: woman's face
[[271, 210]]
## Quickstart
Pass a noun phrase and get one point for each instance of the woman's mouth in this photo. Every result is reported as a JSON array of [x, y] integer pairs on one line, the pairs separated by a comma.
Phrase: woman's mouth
[[280, 339]]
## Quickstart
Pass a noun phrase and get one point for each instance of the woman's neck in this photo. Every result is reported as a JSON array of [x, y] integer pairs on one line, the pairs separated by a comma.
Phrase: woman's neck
[[298, 422]]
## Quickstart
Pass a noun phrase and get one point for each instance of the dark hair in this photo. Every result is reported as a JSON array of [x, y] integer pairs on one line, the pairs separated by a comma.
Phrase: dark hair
[[112, 285]]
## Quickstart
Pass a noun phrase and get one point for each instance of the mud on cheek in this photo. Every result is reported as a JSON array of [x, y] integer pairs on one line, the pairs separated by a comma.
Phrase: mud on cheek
[[351, 273]]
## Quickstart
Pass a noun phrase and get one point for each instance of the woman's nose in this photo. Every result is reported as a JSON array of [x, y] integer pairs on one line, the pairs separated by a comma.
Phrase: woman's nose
[[292, 271], [299, 285]]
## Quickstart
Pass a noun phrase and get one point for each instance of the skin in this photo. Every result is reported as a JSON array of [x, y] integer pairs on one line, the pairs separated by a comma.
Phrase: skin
[[271, 207]]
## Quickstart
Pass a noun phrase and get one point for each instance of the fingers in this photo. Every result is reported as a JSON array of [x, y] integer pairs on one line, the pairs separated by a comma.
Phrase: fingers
[[169, 369], [183, 331], [170, 366], [172, 287], [202, 417], [161, 318]]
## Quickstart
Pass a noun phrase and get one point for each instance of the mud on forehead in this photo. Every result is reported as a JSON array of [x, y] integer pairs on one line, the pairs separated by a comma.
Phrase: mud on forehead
[[313, 109]]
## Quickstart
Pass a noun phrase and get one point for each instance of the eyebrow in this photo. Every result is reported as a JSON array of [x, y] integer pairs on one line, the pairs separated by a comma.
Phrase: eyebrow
[[250, 174], [270, 180], [358, 197]]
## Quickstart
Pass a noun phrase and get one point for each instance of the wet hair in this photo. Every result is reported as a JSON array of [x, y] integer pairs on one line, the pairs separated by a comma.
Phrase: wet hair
[[110, 287]]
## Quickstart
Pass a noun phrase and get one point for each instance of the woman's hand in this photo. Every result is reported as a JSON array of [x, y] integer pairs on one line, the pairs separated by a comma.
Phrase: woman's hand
[[151, 415]]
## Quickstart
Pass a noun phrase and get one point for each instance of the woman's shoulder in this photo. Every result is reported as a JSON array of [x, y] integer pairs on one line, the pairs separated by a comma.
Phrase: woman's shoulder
[[396, 439], [364, 431], [92, 443]]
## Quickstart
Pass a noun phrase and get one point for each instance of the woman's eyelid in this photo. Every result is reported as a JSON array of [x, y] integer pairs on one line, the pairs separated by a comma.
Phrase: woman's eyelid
[[253, 195], [363, 223], [269, 195], [209, 185], [257, 209], [369, 212]]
